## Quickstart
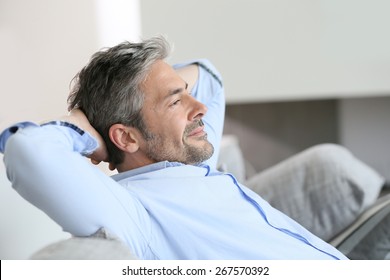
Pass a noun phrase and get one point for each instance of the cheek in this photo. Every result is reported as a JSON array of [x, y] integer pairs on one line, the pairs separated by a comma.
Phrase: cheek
[[176, 130], [169, 129], [175, 125], [169, 125]]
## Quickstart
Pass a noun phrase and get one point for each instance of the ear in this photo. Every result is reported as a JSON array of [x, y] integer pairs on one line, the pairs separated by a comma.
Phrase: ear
[[124, 137]]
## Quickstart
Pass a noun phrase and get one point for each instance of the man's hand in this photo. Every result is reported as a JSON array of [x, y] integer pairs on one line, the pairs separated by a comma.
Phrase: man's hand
[[190, 74], [78, 118]]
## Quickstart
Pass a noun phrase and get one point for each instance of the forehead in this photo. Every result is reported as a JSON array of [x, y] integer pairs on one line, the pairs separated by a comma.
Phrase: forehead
[[160, 81]]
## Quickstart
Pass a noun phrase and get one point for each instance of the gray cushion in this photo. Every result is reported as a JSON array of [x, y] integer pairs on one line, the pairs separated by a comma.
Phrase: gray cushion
[[99, 246], [324, 188]]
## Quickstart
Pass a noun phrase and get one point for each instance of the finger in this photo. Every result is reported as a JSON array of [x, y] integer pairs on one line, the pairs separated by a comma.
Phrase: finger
[[111, 166], [94, 161]]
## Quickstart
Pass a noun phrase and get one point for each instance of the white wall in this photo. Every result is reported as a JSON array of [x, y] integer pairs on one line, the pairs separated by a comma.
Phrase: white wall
[[281, 49], [44, 43], [287, 50]]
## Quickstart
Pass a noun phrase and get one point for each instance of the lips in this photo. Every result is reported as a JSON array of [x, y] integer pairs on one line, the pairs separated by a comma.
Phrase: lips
[[195, 129], [197, 132]]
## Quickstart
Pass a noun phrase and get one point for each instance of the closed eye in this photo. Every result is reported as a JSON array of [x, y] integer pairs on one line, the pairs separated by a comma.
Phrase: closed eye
[[176, 102]]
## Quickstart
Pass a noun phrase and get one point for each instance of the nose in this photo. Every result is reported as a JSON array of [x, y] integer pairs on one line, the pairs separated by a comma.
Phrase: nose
[[197, 110]]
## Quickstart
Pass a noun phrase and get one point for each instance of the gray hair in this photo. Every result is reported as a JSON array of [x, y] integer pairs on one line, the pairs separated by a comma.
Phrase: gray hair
[[108, 88]]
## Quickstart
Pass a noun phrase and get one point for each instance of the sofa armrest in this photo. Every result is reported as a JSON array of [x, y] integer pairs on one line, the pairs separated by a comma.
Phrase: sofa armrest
[[99, 246]]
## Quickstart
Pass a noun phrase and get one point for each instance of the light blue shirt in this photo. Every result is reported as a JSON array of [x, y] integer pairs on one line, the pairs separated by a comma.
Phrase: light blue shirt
[[166, 210]]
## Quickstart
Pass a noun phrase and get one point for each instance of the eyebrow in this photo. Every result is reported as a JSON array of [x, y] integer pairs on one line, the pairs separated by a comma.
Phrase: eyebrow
[[177, 91]]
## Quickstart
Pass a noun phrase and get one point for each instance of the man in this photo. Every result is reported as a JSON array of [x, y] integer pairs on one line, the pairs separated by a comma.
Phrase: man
[[160, 127]]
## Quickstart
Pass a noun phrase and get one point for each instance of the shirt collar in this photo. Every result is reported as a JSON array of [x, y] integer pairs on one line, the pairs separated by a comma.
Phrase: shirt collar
[[150, 168], [145, 169]]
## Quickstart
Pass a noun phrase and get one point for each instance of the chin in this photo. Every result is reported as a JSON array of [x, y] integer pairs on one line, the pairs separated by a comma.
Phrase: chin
[[196, 154]]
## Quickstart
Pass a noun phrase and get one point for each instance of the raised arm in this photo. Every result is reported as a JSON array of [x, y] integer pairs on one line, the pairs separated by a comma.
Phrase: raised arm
[[46, 166], [78, 118], [190, 74]]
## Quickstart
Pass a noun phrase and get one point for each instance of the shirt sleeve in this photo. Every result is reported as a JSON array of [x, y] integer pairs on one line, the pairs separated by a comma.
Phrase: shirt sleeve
[[10, 131], [45, 165], [209, 90]]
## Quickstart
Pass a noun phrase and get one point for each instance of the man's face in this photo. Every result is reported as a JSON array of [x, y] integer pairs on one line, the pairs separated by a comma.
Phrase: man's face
[[174, 130]]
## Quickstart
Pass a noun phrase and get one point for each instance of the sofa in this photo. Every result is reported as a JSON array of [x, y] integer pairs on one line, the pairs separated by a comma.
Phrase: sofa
[[362, 234]]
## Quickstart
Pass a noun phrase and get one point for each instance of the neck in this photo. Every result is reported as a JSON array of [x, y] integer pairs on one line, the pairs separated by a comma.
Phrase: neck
[[133, 162]]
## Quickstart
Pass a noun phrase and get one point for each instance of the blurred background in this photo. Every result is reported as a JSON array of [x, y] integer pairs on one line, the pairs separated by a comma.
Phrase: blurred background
[[296, 73]]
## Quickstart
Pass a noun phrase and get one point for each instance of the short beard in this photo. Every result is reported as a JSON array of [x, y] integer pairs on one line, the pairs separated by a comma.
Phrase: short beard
[[157, 148]]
